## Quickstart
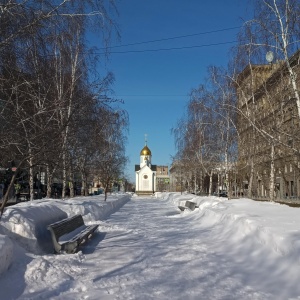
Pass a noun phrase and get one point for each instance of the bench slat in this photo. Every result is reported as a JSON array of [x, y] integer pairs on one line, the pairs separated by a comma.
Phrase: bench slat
[[67, 225]]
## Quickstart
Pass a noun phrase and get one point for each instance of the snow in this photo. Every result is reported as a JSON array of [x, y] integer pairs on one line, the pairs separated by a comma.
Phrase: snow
[[146, 248]]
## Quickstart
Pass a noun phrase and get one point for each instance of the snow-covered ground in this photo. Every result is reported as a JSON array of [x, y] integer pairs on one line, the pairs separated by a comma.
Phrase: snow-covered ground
[[146, 248]]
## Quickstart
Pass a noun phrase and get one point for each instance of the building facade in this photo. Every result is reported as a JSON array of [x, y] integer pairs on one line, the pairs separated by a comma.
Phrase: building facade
[[268, 126], [162, 179]]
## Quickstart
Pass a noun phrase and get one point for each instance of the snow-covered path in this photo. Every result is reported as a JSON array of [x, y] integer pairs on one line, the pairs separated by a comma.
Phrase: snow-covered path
[[149, 250], [155, 253]]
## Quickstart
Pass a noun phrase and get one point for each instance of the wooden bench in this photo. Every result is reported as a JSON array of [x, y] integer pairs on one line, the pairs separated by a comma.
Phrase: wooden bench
[[187, 204], [68, 234], [24, 197]]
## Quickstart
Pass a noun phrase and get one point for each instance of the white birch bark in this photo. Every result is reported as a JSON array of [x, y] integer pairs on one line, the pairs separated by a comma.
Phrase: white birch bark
[[251, 178], [195, 182], [65, 113], [272, 173], [31, 178], [49, 181], [283, 20], [210, 183]]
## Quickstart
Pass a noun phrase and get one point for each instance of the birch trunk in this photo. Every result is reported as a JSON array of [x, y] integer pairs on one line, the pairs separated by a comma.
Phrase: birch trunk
[[210, 183], [71, 189], [195, 183], [285, 36], [9, 189], [250, 186], [229, 186], [272, 173], [64, 179], [31, 179], [83, 188], [49, 183], [66, 97]]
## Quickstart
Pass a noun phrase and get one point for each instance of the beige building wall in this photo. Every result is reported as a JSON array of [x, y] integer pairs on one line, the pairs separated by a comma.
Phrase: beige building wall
[[268, 119], [162, 179]]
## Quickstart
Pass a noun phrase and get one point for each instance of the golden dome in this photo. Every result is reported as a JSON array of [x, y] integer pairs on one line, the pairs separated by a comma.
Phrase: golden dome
[[145, 151]]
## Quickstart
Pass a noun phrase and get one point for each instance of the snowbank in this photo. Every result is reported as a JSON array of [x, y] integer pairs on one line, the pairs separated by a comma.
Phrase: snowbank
[[271, 224], [26, 223], [6, 253], [237, 249]]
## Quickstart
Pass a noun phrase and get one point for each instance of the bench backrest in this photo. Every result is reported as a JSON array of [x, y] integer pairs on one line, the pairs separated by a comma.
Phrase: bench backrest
[[67, 225], [191, 205]]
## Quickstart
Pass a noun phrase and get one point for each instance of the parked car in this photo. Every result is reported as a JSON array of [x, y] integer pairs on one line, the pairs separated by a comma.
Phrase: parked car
[[223, 194]]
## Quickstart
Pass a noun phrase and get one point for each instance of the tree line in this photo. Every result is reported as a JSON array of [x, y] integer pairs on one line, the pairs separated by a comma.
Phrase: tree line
[[235, 126], [56, 115]]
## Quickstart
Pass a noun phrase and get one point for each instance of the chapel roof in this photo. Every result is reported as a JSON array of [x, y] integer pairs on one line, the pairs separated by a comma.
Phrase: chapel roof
[[138, 168], [145, 151]]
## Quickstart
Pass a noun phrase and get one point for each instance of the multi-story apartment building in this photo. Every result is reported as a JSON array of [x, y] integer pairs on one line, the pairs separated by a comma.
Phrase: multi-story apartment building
[[268, 126]]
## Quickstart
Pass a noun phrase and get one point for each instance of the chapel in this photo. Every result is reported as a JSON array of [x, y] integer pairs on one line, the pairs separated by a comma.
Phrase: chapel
[[145, 173]]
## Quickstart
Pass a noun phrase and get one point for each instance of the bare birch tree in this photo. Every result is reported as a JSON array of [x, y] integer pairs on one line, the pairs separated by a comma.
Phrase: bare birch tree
[[34, 36]]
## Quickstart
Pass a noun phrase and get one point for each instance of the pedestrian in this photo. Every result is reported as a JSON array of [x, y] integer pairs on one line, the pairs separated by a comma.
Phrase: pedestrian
[[17, 190]]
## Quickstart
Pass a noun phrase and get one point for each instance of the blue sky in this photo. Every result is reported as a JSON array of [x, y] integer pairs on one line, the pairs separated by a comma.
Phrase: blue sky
[[155, 84]]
